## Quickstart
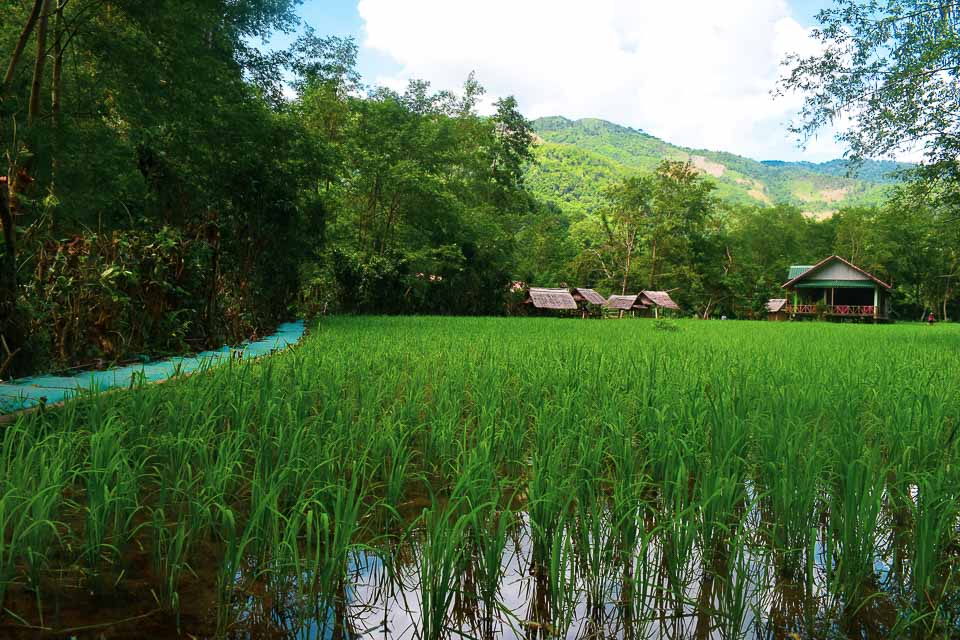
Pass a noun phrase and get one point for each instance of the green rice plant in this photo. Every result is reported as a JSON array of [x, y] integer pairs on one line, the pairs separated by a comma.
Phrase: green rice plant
[[734, 577], [441, 562], [548, 500], [331, 537], [556, 592], [593, 538], [790, 476], [935, 516], [639, 585], [33, 474], [678, 532], [629, 508], [111, 482], [807, 472], [855, 506], [170, 552], [494, 526]]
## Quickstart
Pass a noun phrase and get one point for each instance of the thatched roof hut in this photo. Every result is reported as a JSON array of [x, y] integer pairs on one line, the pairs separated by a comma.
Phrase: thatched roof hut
[[775, 304], [776, 309], [625, 303], [556, 299], [660, 299], [588, 296]]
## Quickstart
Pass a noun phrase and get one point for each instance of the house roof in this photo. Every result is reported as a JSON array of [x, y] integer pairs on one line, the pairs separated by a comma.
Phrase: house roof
[[624, 303], [776, 304], [806, 274], [551, 298], [590, 295], [798, 270], [659, 298]]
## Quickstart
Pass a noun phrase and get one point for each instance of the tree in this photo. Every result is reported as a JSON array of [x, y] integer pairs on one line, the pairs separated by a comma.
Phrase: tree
[[430, 200], [122, 118], [514, 135], [630, 220], [650, 227], [893, 67]]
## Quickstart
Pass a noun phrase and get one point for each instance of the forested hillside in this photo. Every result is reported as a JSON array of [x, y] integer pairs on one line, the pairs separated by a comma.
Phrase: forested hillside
[[576, 159]]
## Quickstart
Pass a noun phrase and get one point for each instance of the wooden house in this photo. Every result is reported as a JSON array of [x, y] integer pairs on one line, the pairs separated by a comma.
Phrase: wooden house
[[836, 289]]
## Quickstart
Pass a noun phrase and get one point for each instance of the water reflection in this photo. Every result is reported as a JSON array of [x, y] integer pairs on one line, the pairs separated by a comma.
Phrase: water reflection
[[660, 588]]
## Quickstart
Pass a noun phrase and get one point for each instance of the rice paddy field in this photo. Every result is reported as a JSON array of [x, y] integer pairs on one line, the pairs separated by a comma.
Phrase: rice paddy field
[[426, 478]]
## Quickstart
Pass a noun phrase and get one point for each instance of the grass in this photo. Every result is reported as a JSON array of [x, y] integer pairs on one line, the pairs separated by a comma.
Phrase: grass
[[512, 476]]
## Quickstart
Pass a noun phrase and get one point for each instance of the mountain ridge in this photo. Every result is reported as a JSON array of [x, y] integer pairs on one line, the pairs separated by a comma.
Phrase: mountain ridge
[[576, 159]]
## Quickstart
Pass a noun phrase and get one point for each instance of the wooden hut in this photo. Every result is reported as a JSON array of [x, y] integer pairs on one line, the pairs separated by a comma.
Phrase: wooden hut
[[551, 299], [777, 309], [589, 301], [836, 289]]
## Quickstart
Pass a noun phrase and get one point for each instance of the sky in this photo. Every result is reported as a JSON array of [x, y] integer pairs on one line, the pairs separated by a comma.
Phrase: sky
[[697, 73]]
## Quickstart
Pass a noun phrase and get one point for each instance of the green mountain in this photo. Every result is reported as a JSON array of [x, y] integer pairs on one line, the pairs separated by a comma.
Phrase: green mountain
[[577, 159]]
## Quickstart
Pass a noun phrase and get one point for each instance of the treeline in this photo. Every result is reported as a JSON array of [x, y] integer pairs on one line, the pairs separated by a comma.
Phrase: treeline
[[668, 230], [163, 192]]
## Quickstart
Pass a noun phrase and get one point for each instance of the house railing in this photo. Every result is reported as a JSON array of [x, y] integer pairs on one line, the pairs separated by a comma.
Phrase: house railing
[[851, 310]]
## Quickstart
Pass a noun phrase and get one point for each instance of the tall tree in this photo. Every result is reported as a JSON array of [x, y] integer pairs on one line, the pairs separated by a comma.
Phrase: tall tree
[[893, 67]]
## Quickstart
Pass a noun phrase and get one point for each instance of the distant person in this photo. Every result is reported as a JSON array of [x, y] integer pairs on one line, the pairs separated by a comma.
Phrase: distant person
[[931, 319]]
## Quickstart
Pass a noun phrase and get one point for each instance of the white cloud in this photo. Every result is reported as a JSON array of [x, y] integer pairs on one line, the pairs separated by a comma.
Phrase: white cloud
[[693, 72]]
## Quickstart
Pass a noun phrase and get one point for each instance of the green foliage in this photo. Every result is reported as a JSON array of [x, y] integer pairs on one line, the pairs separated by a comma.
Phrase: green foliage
[[430, 197], [149, 131], [892, 66], [113, 296], [338, 198]]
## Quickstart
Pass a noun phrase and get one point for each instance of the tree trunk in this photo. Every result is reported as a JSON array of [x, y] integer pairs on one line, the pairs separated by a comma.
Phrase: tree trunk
[[56, 90], [33, 109], [8, 276], [213, 238], [706, 310], [653, 265], [20, 46], [626, 269]]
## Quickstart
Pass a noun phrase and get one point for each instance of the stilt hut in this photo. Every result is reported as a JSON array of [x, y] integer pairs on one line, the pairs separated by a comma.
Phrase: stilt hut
[[550, 299], [589, 301]]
